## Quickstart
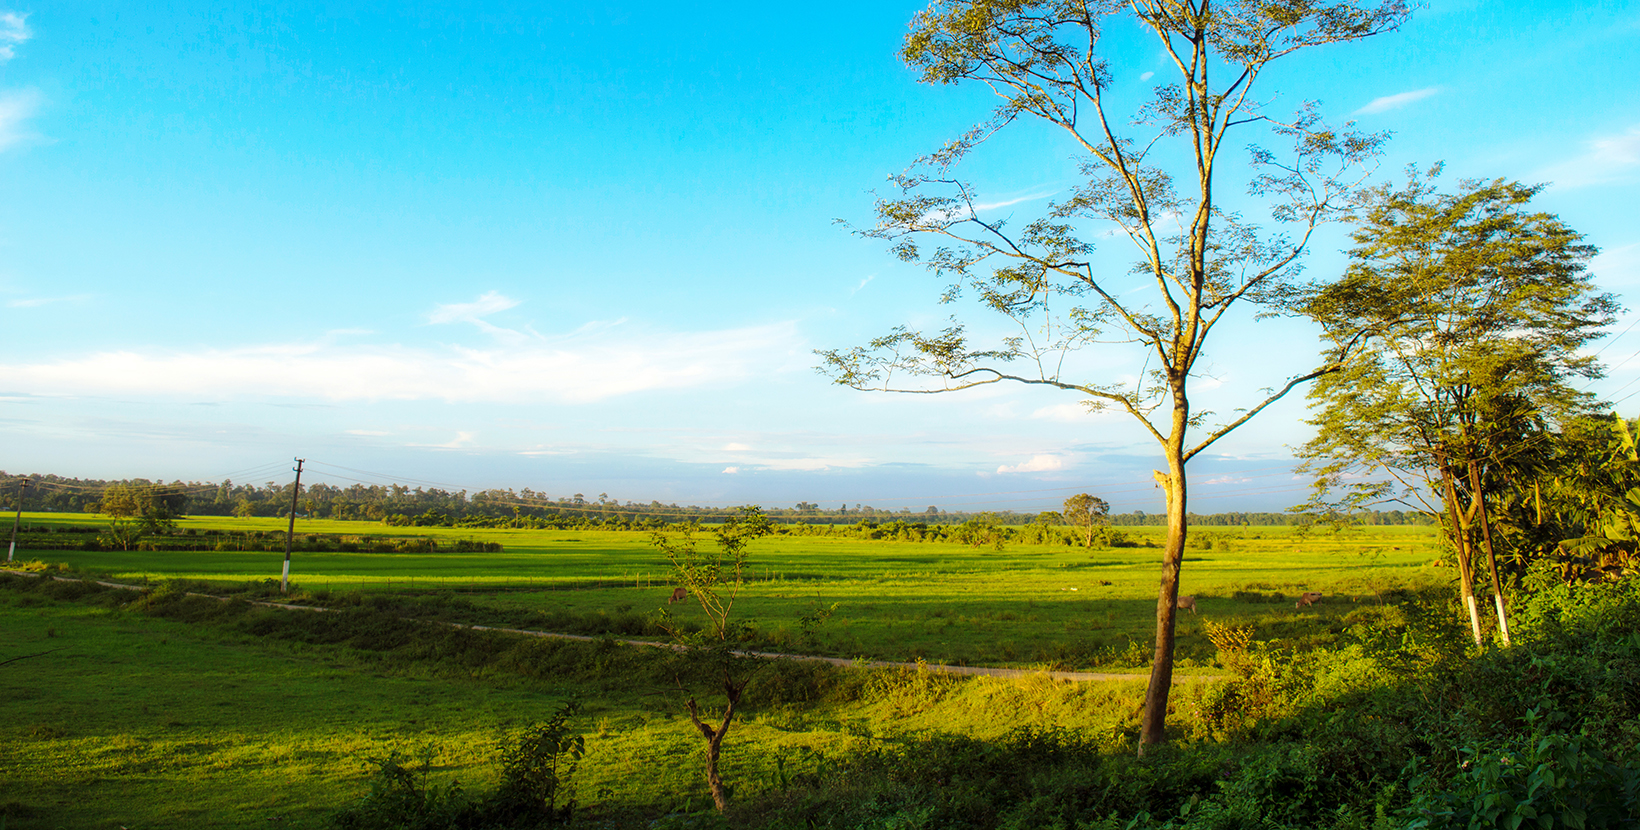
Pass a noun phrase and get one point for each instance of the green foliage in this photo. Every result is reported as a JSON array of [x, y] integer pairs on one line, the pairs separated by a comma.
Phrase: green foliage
[[1090, 513], [1458, 325], [1549, 781], [122, 534], [402, 798], [537, 767], [713, 580]]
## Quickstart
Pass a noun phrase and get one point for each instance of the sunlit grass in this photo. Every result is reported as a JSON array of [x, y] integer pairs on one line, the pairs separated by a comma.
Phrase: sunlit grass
[[1026, 605]]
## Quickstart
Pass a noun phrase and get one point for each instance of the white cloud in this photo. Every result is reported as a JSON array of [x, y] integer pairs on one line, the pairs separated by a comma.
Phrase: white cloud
[[863, 283], [14, 32], [1608, 160], [731, 470], [579, 368], [367, 432], [1227, 479], [1396, 101], [1147, 76], [736, 448], [1037, 464], [15, 109]]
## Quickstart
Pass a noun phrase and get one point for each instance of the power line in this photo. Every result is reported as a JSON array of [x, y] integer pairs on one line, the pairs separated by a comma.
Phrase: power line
[[1617, 338]]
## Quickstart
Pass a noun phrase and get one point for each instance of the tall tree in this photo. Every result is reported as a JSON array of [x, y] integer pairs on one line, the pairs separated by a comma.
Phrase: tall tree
[[1046, 62], [1466, 312]]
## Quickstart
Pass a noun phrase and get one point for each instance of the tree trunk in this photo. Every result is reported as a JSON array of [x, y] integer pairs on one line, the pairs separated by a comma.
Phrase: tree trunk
[[1491, 552], [1460, 544], [714, 741], [720, 797], [1154, 724]]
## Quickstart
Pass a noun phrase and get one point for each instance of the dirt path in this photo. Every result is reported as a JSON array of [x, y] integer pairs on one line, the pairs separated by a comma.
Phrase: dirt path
[[1072, 676]]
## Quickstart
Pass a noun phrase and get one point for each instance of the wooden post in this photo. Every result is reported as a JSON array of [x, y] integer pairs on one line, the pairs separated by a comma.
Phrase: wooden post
[[290, 531], [22, 489]]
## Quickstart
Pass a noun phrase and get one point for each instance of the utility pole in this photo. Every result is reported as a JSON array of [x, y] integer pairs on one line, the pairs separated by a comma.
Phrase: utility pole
[[290, 532], [22, 489]]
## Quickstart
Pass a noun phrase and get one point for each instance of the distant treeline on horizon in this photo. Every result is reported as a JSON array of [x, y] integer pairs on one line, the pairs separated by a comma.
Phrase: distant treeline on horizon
[[396, 504]]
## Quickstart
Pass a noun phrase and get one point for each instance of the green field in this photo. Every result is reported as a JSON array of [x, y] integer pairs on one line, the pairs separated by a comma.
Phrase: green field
[[1026, 605], [133, 721], [177, 711]]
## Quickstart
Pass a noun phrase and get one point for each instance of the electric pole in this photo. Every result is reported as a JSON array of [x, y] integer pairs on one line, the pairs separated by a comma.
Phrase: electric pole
[[290, 532], [22, 489]]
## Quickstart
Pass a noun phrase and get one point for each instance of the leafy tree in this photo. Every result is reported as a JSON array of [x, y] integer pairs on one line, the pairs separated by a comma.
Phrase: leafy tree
[[1049, 518], [1087, 512], [1465, 313], [1571, 499], [1198, 258], [713, 580], [155, 508]]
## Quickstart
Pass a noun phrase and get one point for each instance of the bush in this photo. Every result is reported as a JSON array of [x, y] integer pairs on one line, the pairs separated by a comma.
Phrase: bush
[[401, 798], [1547, 781], [537, 765]]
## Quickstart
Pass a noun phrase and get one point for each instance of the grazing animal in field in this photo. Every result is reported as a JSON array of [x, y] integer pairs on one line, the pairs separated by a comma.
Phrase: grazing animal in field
[[678, 595], [1309, 598], [1187, 602]]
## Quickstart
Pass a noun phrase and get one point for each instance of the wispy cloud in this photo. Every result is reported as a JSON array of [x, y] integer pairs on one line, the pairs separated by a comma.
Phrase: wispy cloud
[[863, 283], [462, 439], [36, 302], [16, 108], [369, 433], [575, 369], [1037, 464], [731, 470], [962, 211], [491, 302], [14, 32], [1396, 101], [1611, 159]]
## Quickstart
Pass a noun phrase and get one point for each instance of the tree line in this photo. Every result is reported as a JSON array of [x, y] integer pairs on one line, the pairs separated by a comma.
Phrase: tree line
[[401, 506]]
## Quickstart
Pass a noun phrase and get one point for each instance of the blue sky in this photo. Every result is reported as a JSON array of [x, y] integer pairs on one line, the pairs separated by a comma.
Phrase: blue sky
[[592, 250]]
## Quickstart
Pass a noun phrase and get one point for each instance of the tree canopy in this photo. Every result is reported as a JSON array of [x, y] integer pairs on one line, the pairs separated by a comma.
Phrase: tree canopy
[[1459, 323], [1154, 182]]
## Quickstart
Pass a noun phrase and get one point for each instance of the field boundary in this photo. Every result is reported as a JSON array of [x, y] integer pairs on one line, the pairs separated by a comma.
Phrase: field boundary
[[857, 663]]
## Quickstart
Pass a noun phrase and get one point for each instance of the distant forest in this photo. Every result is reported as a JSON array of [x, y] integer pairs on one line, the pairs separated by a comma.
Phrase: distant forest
[[398, 505]]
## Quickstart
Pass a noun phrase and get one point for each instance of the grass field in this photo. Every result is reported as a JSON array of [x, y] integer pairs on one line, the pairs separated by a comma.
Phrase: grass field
[[132, 721], [1070, 607], [239, 717]]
